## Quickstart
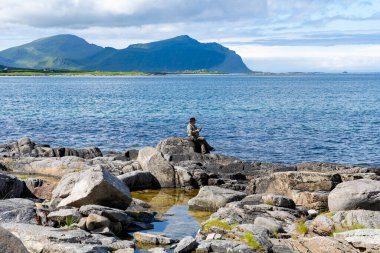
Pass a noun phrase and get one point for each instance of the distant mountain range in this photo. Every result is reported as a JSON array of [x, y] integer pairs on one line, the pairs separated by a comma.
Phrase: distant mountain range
[[177, 54]]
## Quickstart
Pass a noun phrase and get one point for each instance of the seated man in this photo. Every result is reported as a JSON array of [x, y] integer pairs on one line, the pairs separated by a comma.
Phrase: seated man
[[193, 133]]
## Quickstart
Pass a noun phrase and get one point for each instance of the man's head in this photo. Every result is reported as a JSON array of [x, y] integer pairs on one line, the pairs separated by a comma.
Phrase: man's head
[[192, 120]]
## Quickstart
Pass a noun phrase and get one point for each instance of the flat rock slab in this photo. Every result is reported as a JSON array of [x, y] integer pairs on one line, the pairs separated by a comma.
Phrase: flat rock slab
[[212, 198], [317, 244], [154, 239], [115, 215], [362, 238], [93, 186], [358, 194], [63, 215], [17, 210], [223, 246], [47, 239]]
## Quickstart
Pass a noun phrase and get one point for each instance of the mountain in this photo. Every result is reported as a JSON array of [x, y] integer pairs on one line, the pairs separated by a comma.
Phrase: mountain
[[58, 52], [70, 52]]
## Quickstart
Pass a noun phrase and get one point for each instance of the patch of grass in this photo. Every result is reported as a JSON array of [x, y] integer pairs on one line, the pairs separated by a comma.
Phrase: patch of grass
[[275, 233], [344, 229], [301, 227], [218, 224], [77, 170], [63, 167], [327, 213], [251, 241], [24, 177], [294, 237], [378, 227], [69, 221], [269, 202]]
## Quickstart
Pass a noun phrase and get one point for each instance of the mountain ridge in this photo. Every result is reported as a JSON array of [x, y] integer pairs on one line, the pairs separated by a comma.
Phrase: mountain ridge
[[181, 53]]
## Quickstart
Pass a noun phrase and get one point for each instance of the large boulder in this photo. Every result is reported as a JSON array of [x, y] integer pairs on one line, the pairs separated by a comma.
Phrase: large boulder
[[10, 186], [10, 243], [139, 180], [92, 186], [178, 149], [17, 210], [152, 160], [358, 194], [322, 225], [212, 198], [367, 218], [309, 189]]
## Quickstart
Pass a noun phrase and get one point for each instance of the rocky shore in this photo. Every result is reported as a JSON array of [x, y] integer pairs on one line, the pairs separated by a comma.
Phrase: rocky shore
[[256, 207]]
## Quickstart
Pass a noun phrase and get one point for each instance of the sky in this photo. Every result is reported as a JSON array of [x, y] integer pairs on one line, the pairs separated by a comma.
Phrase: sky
[[270, 35]]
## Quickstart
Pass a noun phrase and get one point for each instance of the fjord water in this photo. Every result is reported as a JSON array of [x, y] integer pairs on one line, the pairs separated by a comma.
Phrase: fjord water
[[279, 118]]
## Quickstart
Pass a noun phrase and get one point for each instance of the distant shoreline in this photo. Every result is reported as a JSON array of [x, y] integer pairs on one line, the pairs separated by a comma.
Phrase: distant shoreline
[[95, 73], [20, 72]]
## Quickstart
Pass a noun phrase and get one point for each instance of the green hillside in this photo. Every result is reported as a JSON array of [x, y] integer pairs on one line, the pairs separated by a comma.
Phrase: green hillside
[[70, 52]]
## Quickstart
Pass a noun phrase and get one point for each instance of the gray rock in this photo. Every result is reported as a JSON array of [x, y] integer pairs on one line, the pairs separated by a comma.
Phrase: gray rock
[[63, 215], [10, 243], [223, 246], [129, 250], [152, 160], [10, 186], [270, 199], [103, 231], [157, 250], [269, 223], [212, 198], [17, 210], [322, 225], [139, 180], [358, 194], [186, 245], [309, 189], [93, 186], [155, 239], [47, 239], [368, 239], [114, 215], [178, 149], [367, 218], [316, 244], [25, 147], [95, 221]]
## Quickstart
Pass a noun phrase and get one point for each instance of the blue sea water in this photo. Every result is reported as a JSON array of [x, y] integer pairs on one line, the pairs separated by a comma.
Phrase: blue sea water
[[282, 118]]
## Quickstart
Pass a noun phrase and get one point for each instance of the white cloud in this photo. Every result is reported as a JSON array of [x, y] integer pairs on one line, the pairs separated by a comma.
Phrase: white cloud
[[353, 58], [287, 30]]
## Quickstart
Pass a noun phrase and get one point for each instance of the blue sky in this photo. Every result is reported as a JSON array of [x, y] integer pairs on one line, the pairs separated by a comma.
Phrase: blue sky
[[270, 35]]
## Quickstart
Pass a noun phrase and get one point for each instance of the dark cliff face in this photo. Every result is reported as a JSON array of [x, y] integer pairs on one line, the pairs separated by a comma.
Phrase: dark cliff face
[[181, 53]]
